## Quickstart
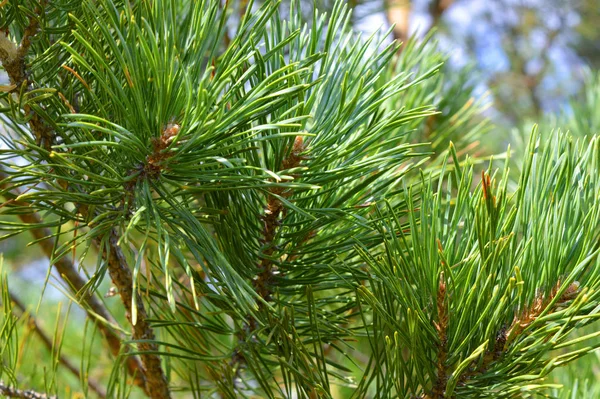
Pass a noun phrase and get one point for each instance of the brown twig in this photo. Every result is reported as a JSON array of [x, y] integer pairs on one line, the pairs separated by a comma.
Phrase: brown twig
[[10, 392], [397, 13], [243, 9], [441, 326], [120, 274], [33, 325], [437, 9]]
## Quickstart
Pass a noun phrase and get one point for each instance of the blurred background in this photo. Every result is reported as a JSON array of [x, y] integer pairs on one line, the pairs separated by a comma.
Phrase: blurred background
[[531, 61], [535, 57]]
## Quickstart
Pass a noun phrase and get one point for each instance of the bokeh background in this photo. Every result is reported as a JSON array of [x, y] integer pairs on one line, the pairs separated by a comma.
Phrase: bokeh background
[[530, 61], [533, 56]]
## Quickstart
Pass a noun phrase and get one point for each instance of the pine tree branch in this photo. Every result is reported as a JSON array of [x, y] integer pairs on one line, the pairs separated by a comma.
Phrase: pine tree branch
[[156, 384], [68, 272], [10, 392], [271, 222], [118, 269], [47, 341]]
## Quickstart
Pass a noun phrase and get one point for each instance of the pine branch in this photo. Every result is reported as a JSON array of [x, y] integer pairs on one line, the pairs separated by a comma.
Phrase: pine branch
[[10, 392], [68, 272], [47, 341], [14, 64], [118, 269], [274, 210]]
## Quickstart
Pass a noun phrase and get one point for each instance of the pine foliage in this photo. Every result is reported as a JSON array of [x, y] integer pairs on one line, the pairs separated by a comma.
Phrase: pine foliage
[[283, 208]]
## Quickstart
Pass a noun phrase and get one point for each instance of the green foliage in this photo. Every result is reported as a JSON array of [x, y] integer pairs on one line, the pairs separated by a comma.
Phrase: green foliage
[[265, 183], [506, 276]]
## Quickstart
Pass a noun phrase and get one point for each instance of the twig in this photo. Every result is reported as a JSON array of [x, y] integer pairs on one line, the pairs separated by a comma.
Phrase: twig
[[397, 13], [118, 269], [441, 326], [10, 392], [92, 383], [437, 8]]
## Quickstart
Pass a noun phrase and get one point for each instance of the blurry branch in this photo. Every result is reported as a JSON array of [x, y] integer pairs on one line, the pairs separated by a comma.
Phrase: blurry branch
[[226, 37], [33, 325], [397, 13], [536, 79], [437, 8], [520, 80], [18, 393], [243, 9], [68, 272]]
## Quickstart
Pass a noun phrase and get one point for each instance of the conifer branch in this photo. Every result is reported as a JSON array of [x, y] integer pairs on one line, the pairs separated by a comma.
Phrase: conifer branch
[[68, 272], [33, 325], [154, 384], [120, 274], [238, 108], [271, 222], [10, 392]]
